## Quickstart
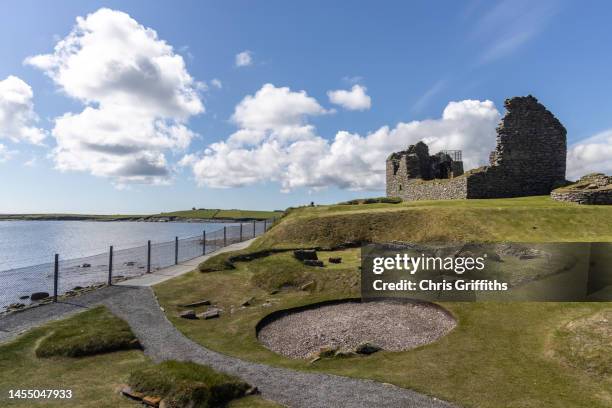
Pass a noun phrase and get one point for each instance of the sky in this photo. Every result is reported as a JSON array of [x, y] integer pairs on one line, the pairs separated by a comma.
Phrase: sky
[[141, 107]]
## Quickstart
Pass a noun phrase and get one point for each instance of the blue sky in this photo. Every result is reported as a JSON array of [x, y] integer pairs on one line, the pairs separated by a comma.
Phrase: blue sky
[[221, 138]]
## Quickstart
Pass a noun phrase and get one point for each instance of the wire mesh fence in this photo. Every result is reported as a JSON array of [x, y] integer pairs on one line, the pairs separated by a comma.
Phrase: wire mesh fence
[[44, 282]]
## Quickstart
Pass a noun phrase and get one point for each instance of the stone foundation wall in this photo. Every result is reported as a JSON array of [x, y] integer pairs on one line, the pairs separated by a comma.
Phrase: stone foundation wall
[[593, 188], [590, 189], [583, 197]]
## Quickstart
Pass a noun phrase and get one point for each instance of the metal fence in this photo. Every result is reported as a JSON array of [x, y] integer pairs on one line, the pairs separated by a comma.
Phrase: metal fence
[[60, 276]]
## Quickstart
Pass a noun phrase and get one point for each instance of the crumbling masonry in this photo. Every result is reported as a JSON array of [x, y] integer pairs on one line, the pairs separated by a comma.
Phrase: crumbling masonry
[[529, 159]]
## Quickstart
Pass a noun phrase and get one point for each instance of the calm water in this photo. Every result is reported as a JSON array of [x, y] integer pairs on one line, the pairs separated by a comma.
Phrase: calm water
[[25, 243]]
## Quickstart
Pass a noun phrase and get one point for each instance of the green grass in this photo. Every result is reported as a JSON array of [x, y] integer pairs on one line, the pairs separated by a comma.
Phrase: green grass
[[252, 402], [500, 354], [93, 379], [92, 332], [203, 214], [528, 219], [223, 214], [374, 200], [586, 343], [184, 383]]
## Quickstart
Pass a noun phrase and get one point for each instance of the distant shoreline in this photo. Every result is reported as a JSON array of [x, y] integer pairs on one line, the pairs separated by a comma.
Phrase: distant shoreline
[[11, 217]]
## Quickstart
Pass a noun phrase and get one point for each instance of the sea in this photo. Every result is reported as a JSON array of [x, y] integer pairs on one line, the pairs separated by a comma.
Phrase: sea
[[28, 248]]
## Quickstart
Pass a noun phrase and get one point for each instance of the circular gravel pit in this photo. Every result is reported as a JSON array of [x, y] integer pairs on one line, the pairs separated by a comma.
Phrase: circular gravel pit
[[392, 326]]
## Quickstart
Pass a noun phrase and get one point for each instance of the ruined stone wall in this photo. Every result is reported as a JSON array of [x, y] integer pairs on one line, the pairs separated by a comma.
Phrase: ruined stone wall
[[584, 197], [530, 153], [529, 159], [437, 189], [415, 164], [590, 189], [400, 172]]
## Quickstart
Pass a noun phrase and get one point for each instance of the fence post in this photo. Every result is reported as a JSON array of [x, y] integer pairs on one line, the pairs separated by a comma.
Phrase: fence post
[[224, 236], [240, 232], [149, 256], [204, 242], [265, 225], [55, 277], [110, 266], [176, 250], [254, 223]]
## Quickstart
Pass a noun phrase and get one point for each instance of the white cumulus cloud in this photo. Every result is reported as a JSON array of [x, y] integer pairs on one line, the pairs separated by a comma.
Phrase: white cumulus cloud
[[138, 96], [590, 155], [276, 143], [244, 59], [17, 117], [355, 99]]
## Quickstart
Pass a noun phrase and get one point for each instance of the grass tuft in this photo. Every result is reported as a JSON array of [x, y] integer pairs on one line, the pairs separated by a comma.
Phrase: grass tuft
[[95, 331], [586, 343], [187, 384]]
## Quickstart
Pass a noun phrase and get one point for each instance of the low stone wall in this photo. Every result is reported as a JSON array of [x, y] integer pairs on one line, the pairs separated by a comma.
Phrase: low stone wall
[[601, 197], [595, 188], [438, 189]]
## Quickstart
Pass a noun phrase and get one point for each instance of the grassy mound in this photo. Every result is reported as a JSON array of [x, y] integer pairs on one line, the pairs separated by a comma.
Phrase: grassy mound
[[92, 332], [187, 384], [526, 219], [586, 343]]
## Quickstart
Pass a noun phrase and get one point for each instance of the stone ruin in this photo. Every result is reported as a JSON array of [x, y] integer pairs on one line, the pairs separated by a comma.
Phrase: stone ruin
[[529, 159], [595, 188]]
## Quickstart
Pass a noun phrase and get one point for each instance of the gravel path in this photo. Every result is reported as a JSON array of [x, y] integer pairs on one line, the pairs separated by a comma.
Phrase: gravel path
[[163, 341], [392, 326]]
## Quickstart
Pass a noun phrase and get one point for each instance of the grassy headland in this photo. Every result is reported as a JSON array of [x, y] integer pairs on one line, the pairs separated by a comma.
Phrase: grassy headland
[[187, 215], [211, 214]]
